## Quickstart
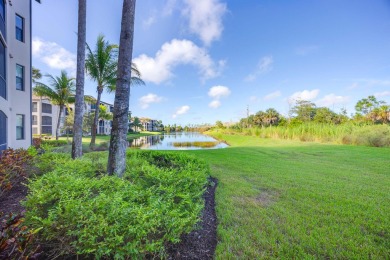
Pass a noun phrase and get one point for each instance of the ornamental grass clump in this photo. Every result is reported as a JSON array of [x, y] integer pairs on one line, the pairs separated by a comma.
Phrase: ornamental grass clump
[[84, 212]]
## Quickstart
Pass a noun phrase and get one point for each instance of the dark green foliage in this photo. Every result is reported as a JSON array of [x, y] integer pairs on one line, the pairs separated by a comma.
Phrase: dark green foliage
[[85, 212], [304, 110]]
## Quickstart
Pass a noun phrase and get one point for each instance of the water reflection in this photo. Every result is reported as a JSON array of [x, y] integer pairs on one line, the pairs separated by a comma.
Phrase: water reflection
[[176, 141]]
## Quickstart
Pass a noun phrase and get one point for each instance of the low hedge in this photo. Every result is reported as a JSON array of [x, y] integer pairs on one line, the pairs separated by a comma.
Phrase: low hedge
[[82, 211]]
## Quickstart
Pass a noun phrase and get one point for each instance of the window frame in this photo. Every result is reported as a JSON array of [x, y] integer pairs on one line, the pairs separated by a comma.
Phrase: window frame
[[22, 127], [17, 28], [3, 78], [3, 20], [22, 78], [4, 146], [46, 120], [46, 105], [34, 122]]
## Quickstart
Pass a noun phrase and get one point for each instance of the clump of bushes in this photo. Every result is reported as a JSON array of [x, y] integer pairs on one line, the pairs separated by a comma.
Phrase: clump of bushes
[[85, 212], [368, 135], [54, 143]]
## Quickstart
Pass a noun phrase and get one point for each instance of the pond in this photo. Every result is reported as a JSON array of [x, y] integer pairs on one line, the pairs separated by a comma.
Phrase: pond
[[177, 141]]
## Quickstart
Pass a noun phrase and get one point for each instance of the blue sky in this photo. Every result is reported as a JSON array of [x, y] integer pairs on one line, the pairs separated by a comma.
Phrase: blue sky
[[207, 60]]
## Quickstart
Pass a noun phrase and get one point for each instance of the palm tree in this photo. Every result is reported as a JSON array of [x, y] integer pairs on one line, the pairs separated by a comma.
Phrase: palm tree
[[136, 123], [60, 93], [77, 147], [118, 141], [101, 65], [272, 116], [36, 74]]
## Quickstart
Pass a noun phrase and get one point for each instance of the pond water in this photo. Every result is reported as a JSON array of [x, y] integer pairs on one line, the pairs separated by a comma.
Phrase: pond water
[[177, 141]]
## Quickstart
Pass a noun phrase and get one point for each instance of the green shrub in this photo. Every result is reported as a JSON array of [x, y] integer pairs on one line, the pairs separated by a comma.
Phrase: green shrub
[[54, 143], [84, 212]]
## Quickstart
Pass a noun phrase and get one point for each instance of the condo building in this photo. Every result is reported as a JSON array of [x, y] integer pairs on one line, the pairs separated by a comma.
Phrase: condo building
[[45, 116], [15, 74]]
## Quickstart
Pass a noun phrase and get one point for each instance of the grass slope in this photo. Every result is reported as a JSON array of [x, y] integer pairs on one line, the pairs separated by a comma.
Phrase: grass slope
[[288, 199]]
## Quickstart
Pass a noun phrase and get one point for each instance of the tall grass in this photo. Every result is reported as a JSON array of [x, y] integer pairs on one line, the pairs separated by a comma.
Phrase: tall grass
[[369, 135]]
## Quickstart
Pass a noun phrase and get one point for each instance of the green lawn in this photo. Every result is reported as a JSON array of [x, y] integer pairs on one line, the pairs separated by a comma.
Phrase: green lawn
[[287, 199]]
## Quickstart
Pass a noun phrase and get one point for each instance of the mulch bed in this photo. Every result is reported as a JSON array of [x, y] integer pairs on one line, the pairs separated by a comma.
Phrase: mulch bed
[[10, 200], [199, 244]]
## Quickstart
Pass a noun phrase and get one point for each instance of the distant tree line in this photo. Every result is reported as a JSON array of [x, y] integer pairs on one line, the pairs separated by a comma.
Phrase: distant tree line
[[368, 111]]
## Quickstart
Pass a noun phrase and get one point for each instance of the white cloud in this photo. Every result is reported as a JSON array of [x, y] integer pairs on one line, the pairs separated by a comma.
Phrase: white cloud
[[172, 54], [273, 95], [181, 111], [169, 7], [215, 104], [149, 22], [205, 18], [264, 66], [332, 99], [53, 55], [218, 92], [305, 95], [382, 94], [306, 50], [150, 98], [353, 86], [376, 82], [367, 82]]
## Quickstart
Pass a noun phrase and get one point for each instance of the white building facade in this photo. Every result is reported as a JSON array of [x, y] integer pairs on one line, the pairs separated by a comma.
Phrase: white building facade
[[45, 116], [15, 74], [150, 125]]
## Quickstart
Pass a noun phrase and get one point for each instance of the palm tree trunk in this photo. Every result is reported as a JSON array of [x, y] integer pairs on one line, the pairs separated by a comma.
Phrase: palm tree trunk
[[118, 142], [96, 118], [77, 147], [59, 121]]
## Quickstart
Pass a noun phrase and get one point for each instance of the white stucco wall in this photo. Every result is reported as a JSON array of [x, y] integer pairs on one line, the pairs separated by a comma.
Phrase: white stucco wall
[[17, 102]]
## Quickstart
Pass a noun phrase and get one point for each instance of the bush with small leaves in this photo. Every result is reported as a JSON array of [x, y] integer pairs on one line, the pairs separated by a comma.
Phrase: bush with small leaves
[[85, 212]]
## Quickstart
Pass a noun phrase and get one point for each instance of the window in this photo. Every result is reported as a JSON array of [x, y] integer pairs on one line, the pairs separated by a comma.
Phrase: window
[[35, 105], [93, 106], [46, 108], [46, 120], [68, 110], [19, 77], [46, 129], [2, 18], [3, 85], [34, 120], [3, 130], [19, 28], [19, 127]]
